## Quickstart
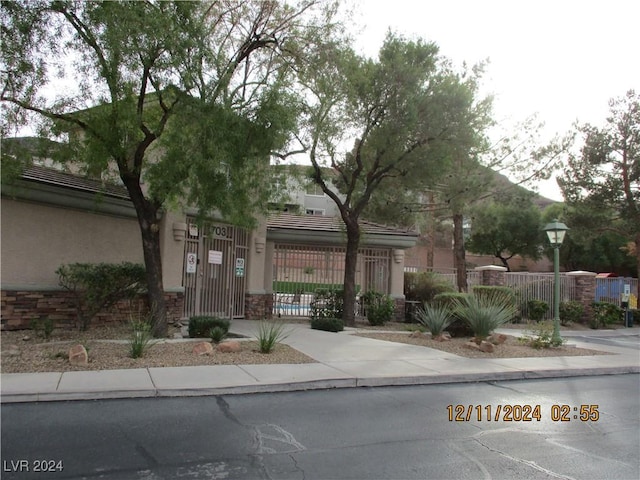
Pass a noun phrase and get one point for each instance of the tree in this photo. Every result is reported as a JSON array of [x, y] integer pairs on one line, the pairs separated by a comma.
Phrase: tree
[[185, 96], [604, 176], [389, 112], [505, 229]]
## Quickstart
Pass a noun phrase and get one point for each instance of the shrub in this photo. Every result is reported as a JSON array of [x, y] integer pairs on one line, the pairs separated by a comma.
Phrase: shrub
[[327, 303], [43, 327], [541, 336], [269, 335], [435, 317], [604, 313], [327, 324], [537, 309], [217, 334], [485, 313], [141, 338], [458, 327], [378, 307], [424, 286], [200, 326], [96, 287], [570, 312], [494, 293]]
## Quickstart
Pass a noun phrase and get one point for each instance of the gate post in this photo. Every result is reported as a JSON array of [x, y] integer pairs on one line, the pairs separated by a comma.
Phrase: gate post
[[396, 284], [492, 275], [585, 288]]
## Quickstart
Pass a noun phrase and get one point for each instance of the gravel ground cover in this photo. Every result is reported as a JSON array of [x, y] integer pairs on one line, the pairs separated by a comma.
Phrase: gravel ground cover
[[107, 346]]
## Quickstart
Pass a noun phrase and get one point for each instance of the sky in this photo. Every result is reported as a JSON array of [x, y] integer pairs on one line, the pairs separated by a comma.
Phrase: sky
[[562, 60]]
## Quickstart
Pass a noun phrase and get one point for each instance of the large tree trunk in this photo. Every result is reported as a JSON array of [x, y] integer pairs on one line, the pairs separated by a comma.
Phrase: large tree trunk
[[459, 260], [637, 241], [431, 234], [350, 264], [150, 230]]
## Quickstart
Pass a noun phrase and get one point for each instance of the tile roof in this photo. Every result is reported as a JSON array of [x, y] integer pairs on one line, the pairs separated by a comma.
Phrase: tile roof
[[52, 176], [323, 223]]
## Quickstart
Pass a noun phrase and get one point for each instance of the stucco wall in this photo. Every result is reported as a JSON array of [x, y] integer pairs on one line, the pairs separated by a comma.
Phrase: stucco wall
[[37, 239]]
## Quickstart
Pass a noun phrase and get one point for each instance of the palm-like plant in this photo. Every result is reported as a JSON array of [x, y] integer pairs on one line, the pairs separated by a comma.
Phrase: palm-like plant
[[435, 317], [485, 313]]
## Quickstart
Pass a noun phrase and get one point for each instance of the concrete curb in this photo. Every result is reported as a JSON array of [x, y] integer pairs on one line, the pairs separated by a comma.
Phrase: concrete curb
[[324, 384]]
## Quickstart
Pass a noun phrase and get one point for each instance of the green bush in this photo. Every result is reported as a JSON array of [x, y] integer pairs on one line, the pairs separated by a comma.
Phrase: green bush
[[42, 327], [605, 313], [379, 307], [435, 317], [424, 286], [570, 312], [269, 334], [327, 324], [485, 313], [505, 294], [537, 309], [200, 326], [96, 287], [458, 327], [542, 336], [327, 303]]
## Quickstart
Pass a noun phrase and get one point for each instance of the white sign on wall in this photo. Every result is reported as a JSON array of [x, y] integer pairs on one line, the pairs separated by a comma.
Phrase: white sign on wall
[[215, 257], [192, 261]]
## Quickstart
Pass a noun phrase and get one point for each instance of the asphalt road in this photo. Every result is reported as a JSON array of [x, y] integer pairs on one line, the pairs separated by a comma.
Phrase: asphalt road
[[391, 432]]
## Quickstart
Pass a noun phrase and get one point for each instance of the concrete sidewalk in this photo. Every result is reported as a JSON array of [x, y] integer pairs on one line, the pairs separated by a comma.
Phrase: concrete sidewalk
[[343, 360]]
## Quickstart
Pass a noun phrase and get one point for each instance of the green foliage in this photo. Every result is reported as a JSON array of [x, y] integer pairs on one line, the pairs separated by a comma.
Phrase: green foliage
[[269, 334], [541, 336], [200, 326], [505, 294], [485, 313], [282, 286], [424, 286], [43, 327], [327, 324], [217, 334], [435, 317], [537, 309], [141, 338], [570, 312], [98, 286], [604, 313], [449, 299], [327, 303], [378, 307], [507, 229]]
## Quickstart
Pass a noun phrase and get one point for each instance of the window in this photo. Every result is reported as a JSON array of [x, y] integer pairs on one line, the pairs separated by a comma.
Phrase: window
[[314, 211], [314, 189]]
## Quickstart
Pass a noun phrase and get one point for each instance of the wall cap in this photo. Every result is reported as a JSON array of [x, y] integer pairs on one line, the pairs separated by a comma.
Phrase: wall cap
[[491, 268], [581, 273]]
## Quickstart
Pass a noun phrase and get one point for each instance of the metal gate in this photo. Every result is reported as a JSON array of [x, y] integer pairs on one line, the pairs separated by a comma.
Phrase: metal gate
[[214, 270], [300, 270]]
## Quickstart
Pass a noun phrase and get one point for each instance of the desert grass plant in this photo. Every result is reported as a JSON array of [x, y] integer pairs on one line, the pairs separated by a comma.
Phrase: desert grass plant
[[141, 338], [42, 327], [435, 317], [270, 333], [217, 334], [486, 312]]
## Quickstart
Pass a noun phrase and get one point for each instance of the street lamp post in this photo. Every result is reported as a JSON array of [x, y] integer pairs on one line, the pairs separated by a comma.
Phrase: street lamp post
[[556, 232]]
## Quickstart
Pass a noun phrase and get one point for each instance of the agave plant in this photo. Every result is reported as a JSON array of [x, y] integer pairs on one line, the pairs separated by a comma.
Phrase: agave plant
[[435, 317], [485, 313]]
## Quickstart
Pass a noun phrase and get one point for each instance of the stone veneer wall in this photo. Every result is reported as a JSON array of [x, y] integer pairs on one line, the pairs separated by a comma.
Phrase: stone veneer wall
[[19, 307], [258, 306], [398, 311]]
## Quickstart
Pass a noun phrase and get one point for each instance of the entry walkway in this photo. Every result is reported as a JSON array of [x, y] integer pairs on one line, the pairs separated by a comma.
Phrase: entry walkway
[[343, 360]]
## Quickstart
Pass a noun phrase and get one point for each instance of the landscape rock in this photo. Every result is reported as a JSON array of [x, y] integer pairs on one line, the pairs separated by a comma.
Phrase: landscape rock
[[26, 338], [442, 338], [229, 346], [78, 355], [203, 348], [471, 345], [497, 338], [486, 347]]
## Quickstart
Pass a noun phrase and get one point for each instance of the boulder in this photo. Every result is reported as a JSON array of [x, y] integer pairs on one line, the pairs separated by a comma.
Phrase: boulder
[[203, 348], [471, 345], [78, 355], [229, 346], [486, 347], [497, 338]]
